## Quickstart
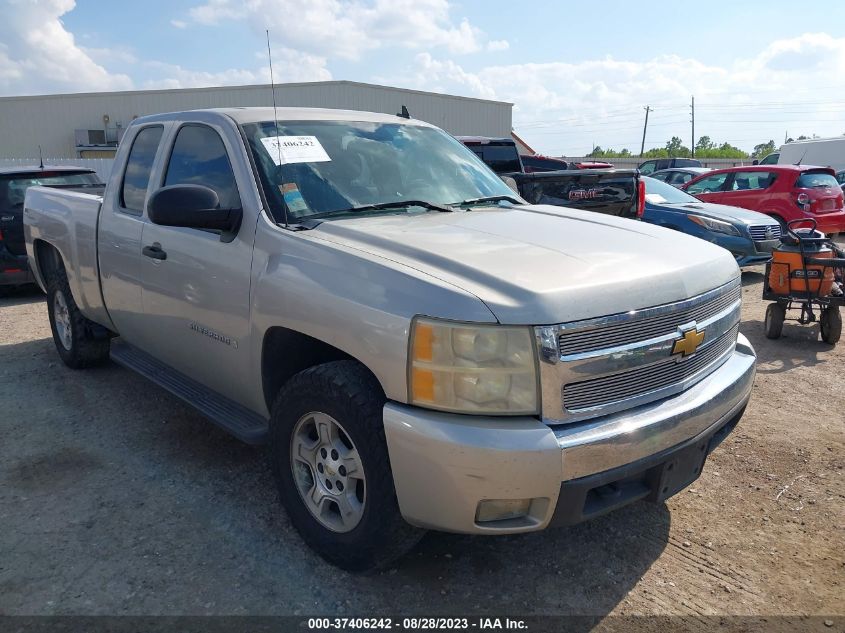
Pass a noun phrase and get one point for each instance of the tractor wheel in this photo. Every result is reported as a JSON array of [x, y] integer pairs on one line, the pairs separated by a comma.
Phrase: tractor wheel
[[831, 325], [775, 316]]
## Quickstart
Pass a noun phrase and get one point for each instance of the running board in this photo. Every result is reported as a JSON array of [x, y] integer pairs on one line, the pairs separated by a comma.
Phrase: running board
[[244, 424]]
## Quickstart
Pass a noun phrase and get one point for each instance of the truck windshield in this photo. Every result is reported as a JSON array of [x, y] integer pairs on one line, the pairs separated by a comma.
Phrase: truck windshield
[[13, 187], [321, 167]]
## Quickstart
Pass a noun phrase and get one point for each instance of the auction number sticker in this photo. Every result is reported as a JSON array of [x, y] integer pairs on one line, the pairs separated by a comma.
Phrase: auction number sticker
[[295, 149]]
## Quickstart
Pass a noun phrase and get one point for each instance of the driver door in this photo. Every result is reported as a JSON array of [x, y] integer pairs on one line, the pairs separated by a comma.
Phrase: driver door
[[196, 298]]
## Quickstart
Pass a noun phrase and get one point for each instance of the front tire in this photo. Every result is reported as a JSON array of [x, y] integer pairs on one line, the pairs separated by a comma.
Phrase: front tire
[[329, 455], [775, 316], [76, 338], [831, 325]]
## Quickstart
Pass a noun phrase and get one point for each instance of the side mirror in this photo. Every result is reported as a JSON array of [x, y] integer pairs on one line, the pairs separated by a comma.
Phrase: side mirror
[[193, 206], [510, 182], [755, 162]]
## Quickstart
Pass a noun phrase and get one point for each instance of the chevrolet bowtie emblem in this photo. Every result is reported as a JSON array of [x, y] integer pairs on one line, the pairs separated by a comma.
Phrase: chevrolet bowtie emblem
[[688, 343]]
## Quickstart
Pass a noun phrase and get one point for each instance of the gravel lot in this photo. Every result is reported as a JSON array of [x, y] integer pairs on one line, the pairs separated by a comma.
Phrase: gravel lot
[[115, 498]]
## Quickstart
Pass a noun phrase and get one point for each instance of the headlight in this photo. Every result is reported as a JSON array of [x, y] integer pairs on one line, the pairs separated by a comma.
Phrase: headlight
[[715, 225], [468, 368]]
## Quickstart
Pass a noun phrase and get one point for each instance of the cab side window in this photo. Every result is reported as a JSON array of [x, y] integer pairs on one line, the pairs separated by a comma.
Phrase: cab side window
[[133, 192], [708, 185], [199, 158]]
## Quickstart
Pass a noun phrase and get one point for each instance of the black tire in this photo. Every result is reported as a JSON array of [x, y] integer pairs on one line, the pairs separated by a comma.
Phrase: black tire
[[5, 291], [88, 342], [351, 395], [775, 316], [831, 325]]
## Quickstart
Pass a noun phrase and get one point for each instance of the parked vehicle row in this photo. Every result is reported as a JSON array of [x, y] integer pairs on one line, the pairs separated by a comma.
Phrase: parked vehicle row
[[418, 346], [603, 190], [783, 192]]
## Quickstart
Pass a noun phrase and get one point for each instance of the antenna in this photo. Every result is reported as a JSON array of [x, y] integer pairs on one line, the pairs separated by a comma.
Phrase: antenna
[[40, 158], [404, 113], [276, 119]]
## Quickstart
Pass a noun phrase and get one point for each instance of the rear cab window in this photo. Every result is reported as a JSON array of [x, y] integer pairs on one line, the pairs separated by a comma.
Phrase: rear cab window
[[500, 157], [139, 164]]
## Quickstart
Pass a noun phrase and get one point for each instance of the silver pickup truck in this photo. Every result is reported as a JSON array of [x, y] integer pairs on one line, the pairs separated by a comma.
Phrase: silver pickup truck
[[418, 347]]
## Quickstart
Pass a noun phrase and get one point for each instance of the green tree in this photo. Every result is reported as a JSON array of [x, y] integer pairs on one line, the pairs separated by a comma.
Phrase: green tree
[[675, 147], [704, 144], [763, 149]]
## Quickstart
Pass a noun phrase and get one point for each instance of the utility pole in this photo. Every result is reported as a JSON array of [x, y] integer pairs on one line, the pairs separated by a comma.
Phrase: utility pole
[[645, 126], [692, 120]]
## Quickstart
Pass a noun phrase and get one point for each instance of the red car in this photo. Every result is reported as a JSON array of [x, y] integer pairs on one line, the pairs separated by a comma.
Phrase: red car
[[784, 192]]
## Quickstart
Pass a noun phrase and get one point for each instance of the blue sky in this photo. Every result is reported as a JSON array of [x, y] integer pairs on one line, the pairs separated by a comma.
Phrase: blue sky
[[578, 73]]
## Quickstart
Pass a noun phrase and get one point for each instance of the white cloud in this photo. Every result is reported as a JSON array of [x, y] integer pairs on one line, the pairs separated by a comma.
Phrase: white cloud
[[288, 65], [38, 54], [498, 45], [350, 28], [179, 24], [562, 108]]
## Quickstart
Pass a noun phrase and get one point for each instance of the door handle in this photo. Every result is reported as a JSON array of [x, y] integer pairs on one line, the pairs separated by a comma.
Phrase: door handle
[[154, 251]]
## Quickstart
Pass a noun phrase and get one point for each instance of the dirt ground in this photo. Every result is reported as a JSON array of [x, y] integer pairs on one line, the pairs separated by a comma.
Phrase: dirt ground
[[115, 498]]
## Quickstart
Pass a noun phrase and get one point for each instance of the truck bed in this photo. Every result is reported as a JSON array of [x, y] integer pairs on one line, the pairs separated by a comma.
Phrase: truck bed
[[67, 219]]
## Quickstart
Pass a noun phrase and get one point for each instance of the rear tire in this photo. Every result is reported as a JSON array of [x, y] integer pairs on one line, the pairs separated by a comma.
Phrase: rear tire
[[775, 316], [77, 339], [324, 418], [831, 325]]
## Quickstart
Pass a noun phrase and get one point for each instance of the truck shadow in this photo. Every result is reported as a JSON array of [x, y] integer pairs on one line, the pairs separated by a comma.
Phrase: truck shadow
[[583, 569], [22, 295], [103, 456], [799, 346]]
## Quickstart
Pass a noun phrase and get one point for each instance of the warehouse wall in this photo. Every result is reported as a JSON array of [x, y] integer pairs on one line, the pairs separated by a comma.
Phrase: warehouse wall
[[50, 121]]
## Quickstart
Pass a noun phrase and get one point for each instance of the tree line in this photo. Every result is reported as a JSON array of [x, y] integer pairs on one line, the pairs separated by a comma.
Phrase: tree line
[[705, 148]]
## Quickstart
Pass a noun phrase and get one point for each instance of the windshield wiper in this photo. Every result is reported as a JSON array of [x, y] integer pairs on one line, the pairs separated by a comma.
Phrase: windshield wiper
[[443, 208], [505, 198]]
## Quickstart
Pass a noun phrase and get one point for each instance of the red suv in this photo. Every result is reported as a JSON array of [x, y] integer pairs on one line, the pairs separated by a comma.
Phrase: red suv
[[785, 192]]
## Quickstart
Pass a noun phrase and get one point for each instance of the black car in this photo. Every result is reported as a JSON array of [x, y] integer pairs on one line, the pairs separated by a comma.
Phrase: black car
[[658, 164], [679, 175], [14, 181]]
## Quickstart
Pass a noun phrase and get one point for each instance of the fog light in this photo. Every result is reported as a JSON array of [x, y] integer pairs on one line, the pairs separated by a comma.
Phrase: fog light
[[501, 509]]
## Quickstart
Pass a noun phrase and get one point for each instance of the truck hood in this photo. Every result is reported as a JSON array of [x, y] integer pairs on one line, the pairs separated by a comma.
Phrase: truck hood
[[540, 264]]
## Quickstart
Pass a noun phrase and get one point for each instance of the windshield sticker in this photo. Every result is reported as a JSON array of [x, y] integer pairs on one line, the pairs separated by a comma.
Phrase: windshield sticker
[[294, 149], [655, 198], [293, 198]]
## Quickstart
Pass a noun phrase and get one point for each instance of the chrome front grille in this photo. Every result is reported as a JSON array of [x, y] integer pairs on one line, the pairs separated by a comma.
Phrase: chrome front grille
[[643, 380], [612, 334], [605, 365], [762, 232]]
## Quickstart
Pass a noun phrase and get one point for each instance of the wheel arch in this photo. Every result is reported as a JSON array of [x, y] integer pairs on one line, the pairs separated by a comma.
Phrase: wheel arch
[[286, 352], [48, 259]]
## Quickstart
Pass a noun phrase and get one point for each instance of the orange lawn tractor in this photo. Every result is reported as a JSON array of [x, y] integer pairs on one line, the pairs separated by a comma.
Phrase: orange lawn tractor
[[806, 270]]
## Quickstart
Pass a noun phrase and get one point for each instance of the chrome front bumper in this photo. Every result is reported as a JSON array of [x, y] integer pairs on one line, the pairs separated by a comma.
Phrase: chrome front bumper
[[445, 464]]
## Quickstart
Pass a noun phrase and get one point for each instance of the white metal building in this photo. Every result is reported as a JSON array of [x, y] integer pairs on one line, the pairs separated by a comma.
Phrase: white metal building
[[89, 125]]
